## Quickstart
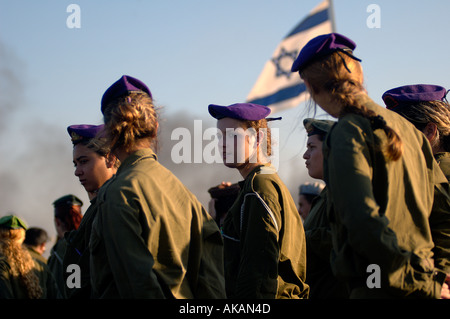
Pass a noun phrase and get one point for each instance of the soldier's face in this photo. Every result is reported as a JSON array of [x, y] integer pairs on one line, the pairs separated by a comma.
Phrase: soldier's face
[[238, 145], [91, 169], [314, 157]]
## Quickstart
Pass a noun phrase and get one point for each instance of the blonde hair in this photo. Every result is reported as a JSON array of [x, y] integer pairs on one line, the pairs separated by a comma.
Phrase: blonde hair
[[422, 113], [20, 260], [341, 76], [130, 118]]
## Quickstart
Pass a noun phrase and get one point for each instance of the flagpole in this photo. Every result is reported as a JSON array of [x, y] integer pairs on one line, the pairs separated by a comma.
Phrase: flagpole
[[331, 10]]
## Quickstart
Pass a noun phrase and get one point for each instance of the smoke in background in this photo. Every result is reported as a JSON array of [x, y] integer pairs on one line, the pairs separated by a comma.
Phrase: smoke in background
[[198, 177], [11, 87], [36, 156]]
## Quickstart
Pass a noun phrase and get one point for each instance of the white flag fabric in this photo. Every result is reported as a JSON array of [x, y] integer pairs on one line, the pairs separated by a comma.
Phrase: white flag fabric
[[277, 87]]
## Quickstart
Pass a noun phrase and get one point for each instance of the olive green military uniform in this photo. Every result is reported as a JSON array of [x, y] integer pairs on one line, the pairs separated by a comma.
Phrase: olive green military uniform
[[55, 263], [11, 287], [264, 241], [379, 211], [319, 276], [151, 238], [77, 253], [36, 255], [443, 159], [440, 216]]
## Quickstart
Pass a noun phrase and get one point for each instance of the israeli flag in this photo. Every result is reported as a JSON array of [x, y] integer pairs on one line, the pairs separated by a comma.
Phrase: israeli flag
[[277, 87]]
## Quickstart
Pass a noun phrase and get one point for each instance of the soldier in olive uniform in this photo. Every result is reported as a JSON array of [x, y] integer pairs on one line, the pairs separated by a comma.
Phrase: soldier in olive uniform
[[151, 237], [67, 210], [264, 240], [319, 275], [306, 194], [381, 176], [36, 240], [21, 275], [426, 107], [94, 165]]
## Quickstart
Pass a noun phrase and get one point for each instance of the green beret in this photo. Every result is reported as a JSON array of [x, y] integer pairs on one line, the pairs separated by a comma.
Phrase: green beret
[[68, 200], [12, 222], [314, 126]]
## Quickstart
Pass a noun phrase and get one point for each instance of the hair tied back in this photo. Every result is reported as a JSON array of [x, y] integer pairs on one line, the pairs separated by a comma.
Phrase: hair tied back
[[377, 122]]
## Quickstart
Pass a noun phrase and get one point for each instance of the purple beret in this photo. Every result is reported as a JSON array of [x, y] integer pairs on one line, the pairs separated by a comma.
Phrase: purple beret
[[125, 85], [83, 132], [239, 111], [323, 45], [413, 93]]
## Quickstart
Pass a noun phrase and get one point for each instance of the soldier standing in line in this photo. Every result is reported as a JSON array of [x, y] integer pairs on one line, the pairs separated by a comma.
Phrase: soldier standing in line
[[426, 107], [381, 176], [67, 210], [264, 240], [21, 275], [94, 165], [306, 194], [319, 275], [36, 241], [151, 237]]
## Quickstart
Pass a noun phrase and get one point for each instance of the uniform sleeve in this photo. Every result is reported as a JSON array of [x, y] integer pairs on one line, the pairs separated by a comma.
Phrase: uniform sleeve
[[5, 283], [258, 273], [440, 226], [368, 233], [130, 260]]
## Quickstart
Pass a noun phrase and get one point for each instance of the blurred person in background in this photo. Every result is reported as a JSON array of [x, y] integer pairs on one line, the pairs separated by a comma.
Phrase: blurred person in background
[[67, 217], [36, 241], [21, 275], [306, 194]]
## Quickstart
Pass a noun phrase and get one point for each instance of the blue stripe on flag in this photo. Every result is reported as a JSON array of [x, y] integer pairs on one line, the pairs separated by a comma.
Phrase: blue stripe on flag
[[310, 21], [281, 95]]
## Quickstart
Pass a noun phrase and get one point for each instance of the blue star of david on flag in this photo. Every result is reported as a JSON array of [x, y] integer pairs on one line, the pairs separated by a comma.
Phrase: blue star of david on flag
[[283, 62], [278, 88]]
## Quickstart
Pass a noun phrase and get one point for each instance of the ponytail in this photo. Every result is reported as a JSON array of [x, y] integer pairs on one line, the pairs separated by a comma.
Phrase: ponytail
[[341, 76], [393, 148]]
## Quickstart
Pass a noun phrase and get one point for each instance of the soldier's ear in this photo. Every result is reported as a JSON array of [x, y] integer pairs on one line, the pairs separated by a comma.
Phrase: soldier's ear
[[430, 131], [110, 160]]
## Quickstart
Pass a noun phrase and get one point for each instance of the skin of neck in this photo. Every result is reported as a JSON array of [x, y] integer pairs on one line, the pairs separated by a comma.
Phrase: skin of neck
[[247, 168]]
